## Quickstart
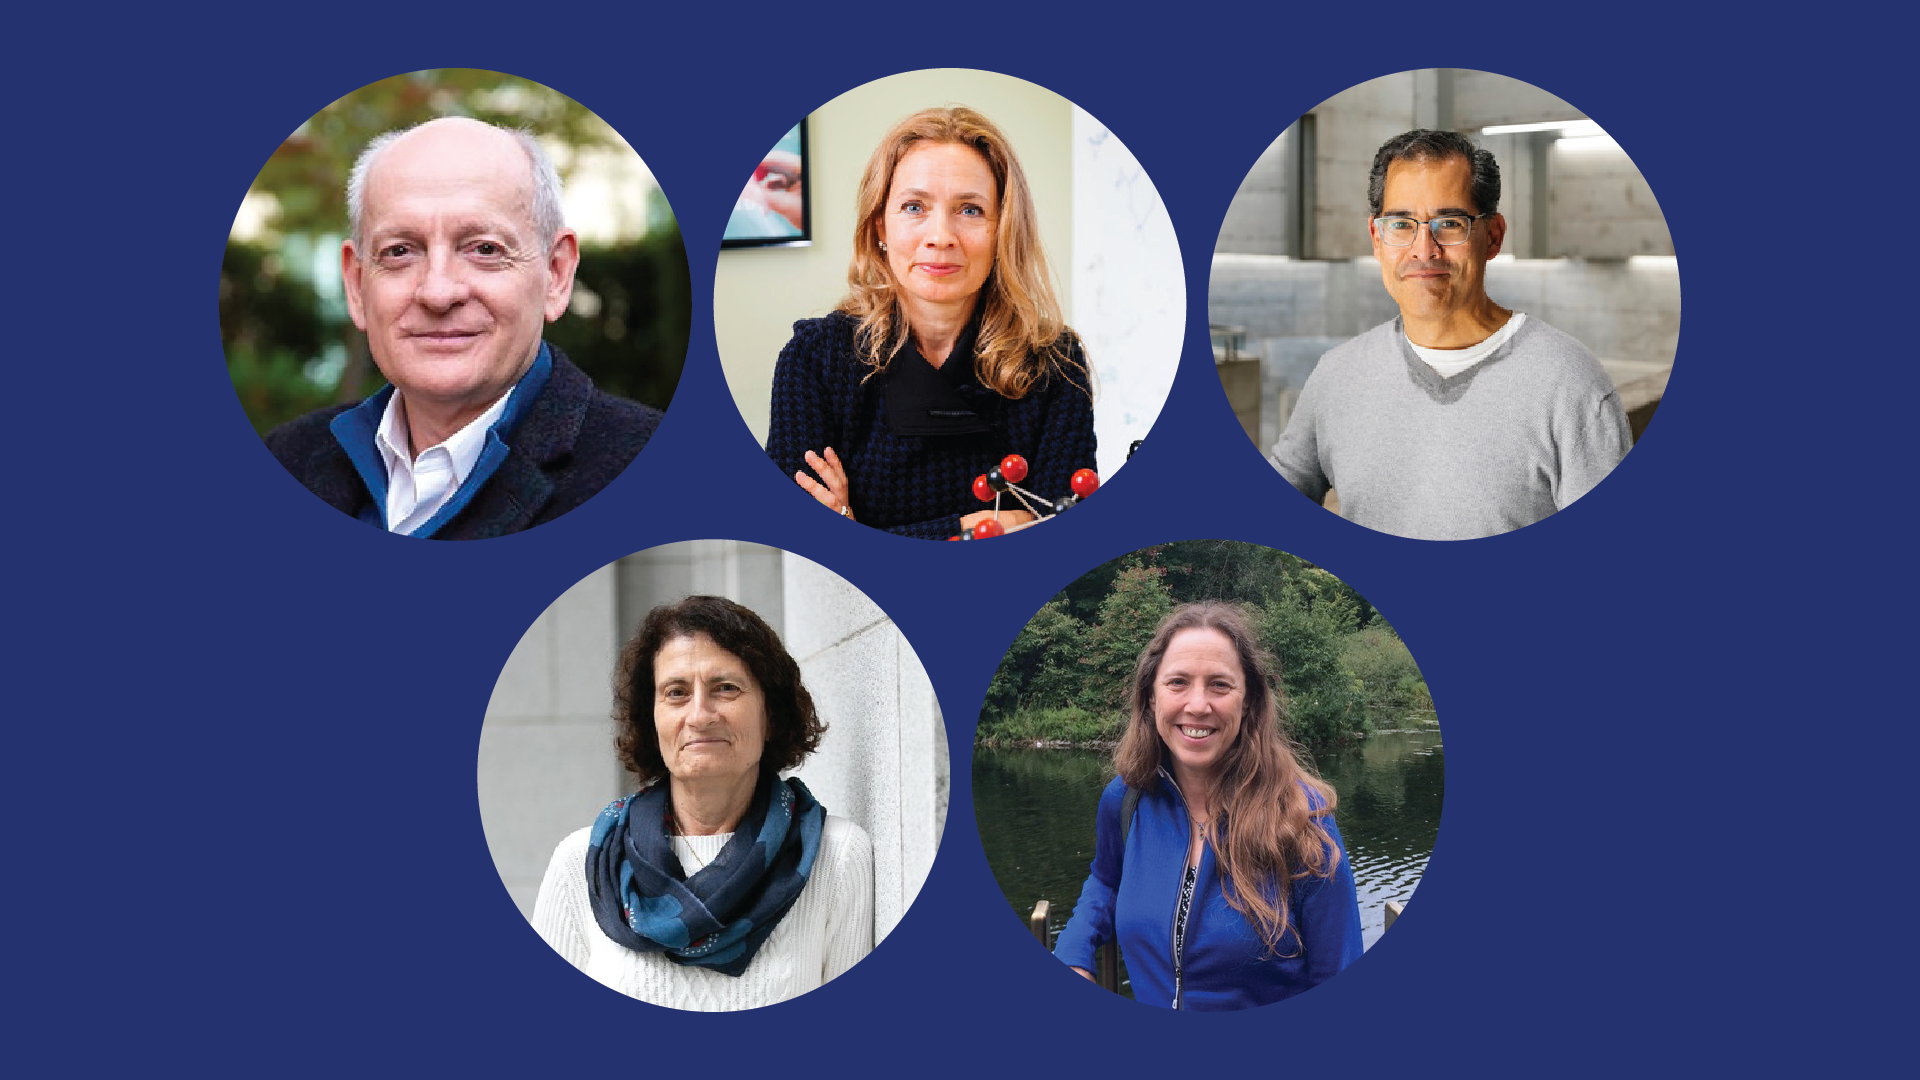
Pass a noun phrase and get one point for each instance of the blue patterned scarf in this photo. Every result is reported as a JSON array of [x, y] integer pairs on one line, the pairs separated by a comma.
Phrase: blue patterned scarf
[[719, 917]]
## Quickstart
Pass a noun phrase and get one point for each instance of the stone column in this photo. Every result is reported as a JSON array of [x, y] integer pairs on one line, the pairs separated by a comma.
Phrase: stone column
[[546, 761], [883, 762]]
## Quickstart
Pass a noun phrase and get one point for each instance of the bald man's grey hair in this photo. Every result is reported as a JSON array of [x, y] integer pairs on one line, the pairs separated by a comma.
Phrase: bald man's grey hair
[[547, 220]]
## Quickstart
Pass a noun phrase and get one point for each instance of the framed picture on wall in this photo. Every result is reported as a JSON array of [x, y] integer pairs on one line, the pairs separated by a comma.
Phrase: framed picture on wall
[[773, 209]]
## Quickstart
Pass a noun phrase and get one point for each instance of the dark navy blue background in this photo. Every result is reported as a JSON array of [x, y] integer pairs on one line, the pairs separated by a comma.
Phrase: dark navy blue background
[[242, 775]]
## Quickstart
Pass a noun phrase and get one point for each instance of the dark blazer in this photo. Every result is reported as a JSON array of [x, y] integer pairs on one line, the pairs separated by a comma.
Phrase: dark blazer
[[572, 441]]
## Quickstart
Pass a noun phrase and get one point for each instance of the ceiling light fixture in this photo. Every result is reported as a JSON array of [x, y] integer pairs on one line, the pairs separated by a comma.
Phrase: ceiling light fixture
[[1568, 129]]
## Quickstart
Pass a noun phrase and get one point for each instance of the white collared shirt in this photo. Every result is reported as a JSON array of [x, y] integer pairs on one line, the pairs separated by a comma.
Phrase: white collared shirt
[[418, 487], [1450, 362]]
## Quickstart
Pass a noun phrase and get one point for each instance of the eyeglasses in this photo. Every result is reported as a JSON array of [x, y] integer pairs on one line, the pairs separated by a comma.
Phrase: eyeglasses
[[1449, 230]]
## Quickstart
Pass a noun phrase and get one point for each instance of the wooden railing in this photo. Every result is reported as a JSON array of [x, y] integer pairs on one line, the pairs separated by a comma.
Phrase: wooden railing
[[1106, 959]]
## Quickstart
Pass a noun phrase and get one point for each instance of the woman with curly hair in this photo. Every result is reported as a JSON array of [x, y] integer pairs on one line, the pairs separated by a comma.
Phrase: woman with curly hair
[[1216, 863], [717, 885], [948, 352]]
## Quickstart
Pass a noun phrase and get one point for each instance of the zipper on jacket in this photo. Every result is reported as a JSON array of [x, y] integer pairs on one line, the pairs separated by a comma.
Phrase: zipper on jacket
[[1176, 938], [1182, 924]]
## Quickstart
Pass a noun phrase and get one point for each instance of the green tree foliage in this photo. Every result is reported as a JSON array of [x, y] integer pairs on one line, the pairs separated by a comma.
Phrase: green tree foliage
[[1384, 666], [1068, 674], [1041, 668], [634, 342], [1325, 705], [273, 329], [307, 174], [1048, 725], [1084, 594], [1195, 570], [1128, 617], [1329, 598], [1228, 570]]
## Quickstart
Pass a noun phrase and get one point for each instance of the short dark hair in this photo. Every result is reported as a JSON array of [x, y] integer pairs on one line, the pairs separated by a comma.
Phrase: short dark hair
[[793, 728], [1424, 144]]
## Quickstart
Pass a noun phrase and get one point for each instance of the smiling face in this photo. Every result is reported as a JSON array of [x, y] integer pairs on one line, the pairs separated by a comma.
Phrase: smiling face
[[1199, 696], [447, 274], [939, 224], [1428, 281], [708, 711]]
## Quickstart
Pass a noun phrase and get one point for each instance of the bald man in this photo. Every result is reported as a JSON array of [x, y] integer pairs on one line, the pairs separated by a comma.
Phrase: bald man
[[457, 259]]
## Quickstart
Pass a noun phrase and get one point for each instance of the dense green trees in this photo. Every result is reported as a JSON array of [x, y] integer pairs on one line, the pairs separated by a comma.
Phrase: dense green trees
[[1067, 673]]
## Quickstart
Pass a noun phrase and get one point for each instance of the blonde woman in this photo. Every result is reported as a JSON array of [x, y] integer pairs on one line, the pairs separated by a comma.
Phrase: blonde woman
[[948, 352]]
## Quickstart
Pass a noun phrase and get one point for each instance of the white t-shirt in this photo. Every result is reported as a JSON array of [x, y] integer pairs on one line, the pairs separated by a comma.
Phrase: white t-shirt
[[1450, 362]]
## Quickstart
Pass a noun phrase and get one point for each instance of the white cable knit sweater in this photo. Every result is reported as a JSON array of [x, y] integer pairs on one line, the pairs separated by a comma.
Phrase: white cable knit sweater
[[828, 930]]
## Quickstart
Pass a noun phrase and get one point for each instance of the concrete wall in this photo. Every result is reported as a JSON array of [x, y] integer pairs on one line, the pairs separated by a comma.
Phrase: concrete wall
[[1599, 205], [1602, 207], [1484, 99], [546, 746], [748, 574], [1271, 296], [1626, 310], [546, 763], [758, 293], [884, 760], [1350, 127], [1256, 221]]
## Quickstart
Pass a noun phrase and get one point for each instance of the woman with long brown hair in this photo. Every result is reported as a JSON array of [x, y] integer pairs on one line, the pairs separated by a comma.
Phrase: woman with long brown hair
[[1217, 862], [948, 352]]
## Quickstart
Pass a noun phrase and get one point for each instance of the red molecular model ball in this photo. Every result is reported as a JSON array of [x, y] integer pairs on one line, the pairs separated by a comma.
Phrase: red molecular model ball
[[1014, 468], [981, 489], [987, 529], [1085, 482]]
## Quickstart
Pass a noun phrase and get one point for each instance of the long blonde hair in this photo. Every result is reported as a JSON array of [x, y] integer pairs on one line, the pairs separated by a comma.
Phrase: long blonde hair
[[1022, 336], [1264, 827]]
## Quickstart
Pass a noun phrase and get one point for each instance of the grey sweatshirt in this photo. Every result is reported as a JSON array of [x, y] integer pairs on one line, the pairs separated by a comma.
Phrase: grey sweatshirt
[[1499, 446]]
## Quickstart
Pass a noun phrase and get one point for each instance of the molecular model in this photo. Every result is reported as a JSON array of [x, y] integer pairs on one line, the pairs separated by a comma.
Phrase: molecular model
[[1004, 479]]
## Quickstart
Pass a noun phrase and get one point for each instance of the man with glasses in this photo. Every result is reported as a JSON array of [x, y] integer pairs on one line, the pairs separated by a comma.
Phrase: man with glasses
[[1460, 418]]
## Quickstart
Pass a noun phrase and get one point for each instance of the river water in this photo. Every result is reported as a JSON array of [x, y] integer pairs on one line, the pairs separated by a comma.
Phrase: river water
[[1035, 808]]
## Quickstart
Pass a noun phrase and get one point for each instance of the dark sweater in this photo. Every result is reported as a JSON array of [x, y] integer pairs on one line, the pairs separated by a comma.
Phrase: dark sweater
[[569, 441], [920, 484]]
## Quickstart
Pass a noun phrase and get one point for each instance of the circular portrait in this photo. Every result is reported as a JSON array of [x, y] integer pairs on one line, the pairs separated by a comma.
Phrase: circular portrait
[[713, 776], [1444, 304], [936, 273], [454, 304], [1208, 775]]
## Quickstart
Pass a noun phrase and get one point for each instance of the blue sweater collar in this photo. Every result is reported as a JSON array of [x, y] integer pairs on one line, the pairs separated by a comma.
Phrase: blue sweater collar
[[354, 431]]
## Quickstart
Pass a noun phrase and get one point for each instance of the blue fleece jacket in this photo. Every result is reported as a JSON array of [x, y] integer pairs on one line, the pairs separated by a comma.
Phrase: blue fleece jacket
[[1224, 965]]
